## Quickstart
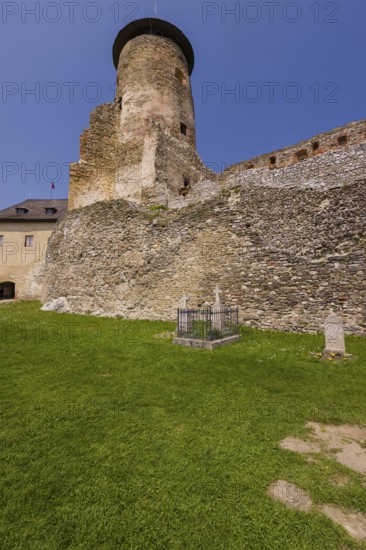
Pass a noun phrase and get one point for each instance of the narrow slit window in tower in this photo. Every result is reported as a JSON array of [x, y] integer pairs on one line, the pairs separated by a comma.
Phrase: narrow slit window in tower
[[183, 128]]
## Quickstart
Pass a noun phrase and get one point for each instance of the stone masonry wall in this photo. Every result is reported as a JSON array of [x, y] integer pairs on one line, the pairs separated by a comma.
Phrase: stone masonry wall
[[148, 88], [167, 160], [337, 139], [336, 168], [151, 171], [93, 178], [286, 257]]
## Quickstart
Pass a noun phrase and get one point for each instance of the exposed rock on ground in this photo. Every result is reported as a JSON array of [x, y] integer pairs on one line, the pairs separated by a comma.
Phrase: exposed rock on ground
[[347, 445]]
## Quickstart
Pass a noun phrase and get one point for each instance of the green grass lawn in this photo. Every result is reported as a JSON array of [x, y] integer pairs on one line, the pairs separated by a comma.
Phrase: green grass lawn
[[113, 438]]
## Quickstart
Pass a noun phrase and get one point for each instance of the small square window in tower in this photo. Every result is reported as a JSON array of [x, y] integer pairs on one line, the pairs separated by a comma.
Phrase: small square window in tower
[[28, 241], [183, 128]]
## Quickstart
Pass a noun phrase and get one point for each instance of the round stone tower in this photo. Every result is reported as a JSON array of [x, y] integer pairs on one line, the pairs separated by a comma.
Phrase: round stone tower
[[154, 61], [142, 147]]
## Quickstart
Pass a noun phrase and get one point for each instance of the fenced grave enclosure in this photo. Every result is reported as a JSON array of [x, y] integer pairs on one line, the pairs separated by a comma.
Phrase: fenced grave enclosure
[[207, 328]]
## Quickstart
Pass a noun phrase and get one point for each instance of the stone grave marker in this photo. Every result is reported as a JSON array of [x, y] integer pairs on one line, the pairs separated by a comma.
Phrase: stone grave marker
[[334, 336]]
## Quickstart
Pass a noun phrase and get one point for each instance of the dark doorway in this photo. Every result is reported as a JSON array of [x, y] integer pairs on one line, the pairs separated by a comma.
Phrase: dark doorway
[[7, 291]]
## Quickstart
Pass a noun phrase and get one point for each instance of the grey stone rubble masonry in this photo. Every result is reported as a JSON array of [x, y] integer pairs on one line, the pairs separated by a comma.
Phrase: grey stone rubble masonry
[[337, 139], [333, 169], [287, 258]]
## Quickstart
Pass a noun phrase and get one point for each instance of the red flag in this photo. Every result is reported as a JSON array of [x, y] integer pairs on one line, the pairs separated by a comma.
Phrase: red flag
[[52, 186]]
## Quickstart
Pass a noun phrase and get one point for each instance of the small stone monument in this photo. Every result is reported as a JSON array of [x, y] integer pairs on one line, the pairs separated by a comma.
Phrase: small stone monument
[[218, 316], [334, 336]]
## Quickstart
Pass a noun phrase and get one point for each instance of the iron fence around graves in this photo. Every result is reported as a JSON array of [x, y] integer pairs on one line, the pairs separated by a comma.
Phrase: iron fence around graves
[[208, 324]]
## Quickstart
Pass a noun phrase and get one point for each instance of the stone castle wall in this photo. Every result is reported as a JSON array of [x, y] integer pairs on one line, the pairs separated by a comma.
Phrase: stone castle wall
[[337, 168], [283, 234], [165, 159], [287, 246], [92, 179], [337, 139], [108, 169]]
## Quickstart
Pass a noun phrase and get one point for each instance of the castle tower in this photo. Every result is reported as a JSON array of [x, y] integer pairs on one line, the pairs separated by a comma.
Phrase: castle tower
[[154, 61], [143, 147], [156, 126]]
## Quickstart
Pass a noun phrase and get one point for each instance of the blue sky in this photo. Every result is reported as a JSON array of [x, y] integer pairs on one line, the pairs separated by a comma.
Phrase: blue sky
[[296, 69]]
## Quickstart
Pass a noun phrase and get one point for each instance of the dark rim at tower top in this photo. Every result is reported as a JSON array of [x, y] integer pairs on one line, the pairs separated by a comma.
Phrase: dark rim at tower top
[[155, 27]]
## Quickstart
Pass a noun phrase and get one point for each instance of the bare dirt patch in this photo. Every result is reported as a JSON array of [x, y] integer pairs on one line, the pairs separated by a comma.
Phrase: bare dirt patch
[[290, 495], [299, 446], [329, 433], [293, 497], [353, 523], [345, 443], [353, 456]]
